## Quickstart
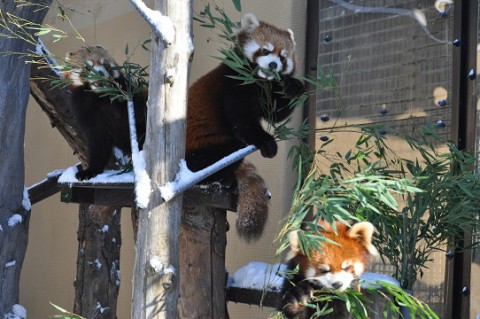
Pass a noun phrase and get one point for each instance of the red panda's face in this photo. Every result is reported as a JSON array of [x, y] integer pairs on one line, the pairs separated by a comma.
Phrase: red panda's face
[[89, 63], [336, 266], [332, 269], [267, 46]]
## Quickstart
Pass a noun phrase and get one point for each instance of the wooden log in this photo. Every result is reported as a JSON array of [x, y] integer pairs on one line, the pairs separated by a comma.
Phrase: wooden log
[[97, 282], [202, 263]]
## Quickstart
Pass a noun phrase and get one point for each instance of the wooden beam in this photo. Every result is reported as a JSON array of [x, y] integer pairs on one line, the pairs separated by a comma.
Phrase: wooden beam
[[43, 189], [122, 194]]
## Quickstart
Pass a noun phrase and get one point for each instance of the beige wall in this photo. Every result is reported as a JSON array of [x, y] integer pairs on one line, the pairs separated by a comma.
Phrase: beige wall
[[49, 268]]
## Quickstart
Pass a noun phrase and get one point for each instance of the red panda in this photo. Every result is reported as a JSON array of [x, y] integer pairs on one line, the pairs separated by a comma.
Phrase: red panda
[[332, 267], [102, 123], [223, 115]]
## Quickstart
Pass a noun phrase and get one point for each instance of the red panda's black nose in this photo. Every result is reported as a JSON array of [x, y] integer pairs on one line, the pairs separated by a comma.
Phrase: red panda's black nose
[[272, 65], [337, 284]]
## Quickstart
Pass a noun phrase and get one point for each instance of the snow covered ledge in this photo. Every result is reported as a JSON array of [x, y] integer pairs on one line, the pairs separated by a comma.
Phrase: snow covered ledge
[[117, 188]]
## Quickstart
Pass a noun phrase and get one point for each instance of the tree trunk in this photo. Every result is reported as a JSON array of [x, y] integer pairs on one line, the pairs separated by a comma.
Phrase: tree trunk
[[98, 265], [14, 217], [156, 273]]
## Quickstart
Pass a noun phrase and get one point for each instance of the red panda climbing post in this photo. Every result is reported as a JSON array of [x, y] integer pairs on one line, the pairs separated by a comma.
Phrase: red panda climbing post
[[156, 273]]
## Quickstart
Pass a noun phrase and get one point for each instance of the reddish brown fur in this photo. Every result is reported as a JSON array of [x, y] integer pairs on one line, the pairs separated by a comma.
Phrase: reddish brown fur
[[201, 97]]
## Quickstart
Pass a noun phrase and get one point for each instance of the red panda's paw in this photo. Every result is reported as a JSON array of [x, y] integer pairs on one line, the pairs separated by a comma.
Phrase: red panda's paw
[[293, 87], [268, 147], [294, 302], [85, 174]]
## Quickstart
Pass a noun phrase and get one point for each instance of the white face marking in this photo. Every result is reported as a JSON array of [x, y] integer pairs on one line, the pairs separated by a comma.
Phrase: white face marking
[[340, 280], [265, 63], [115, 73], [250, 49], [310, 272], [270, 47], [346, 264], [334, 280], [101, 70], [289, 68], [75, 77], [359, 268], [324, 267]]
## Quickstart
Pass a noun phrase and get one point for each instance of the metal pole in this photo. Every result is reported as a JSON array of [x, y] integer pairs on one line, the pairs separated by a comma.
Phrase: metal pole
[[458, 268]]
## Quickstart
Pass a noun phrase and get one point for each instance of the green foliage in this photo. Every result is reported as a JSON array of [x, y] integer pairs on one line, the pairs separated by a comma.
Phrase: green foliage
[[415, 205], [136, 78], [360, 303], [14, 27]]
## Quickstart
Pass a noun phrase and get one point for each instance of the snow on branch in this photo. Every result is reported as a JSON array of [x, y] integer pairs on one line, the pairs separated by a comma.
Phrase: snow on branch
[[415, 14], [161, 25], [143, 186], [186, 178]]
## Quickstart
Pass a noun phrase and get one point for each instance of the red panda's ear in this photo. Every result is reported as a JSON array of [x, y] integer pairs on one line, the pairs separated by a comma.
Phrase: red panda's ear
[[294, 246], [249, 22], [363, 232], [291, 36]]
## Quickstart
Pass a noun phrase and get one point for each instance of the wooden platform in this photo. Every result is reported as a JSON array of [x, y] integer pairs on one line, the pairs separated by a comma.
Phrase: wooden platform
[[123, 194]]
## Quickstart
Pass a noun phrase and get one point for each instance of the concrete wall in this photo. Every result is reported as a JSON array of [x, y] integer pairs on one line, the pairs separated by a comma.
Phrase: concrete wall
[[49, 268]]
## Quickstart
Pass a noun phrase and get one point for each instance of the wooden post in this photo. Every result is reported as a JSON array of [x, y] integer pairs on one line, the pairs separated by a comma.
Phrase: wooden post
[[156, 273], [98, 262], [202, 263]]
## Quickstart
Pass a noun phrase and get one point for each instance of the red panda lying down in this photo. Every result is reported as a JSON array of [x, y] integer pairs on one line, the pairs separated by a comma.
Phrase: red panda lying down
[[224, 115], [334, 267]]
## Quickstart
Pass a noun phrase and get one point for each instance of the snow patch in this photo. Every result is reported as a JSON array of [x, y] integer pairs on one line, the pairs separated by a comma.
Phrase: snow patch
[[186, 178], [108, 176], [100, 308], [18, 312], [96, 262], [162, 25], [55, 173], [159, 267], [121, 158], [26, 204], [259, 276], [372, 279], [15, 220], [143, 184], [11, 264]]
